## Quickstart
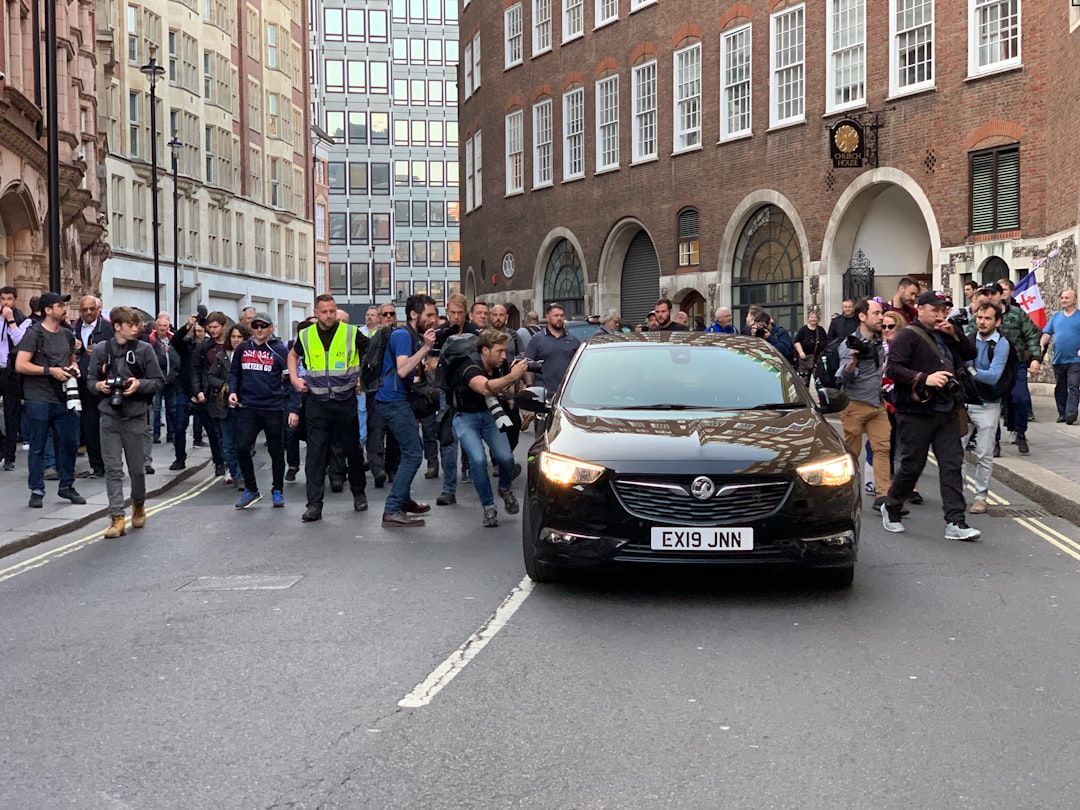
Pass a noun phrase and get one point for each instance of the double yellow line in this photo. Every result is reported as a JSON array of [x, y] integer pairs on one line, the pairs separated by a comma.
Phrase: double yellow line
[[75, 545]]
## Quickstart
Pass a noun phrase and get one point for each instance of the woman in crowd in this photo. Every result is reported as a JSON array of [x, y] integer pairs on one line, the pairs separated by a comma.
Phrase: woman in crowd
[[218, 375], [891, 325], [810, 342]]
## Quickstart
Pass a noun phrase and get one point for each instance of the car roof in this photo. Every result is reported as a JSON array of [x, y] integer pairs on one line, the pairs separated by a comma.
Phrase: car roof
[[677, 338]]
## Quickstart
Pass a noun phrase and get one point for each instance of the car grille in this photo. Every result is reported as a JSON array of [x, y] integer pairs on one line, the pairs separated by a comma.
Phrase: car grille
[[670, 502]]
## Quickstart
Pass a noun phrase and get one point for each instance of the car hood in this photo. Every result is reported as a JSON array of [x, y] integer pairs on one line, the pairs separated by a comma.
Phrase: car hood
[[710, 442]]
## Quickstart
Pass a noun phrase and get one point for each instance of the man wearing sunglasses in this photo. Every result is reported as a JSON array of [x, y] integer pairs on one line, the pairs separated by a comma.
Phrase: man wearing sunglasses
[[860, 377]]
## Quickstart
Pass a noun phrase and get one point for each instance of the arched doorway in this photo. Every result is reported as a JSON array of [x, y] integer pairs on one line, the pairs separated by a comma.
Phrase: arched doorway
[[994, 268], [640, 282], [693, 304], [513, 316], [564, 281], [767, 269]]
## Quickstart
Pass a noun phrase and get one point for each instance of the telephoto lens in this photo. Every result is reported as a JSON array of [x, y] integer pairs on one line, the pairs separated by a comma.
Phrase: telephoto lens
[[71, 394], [502, 421]]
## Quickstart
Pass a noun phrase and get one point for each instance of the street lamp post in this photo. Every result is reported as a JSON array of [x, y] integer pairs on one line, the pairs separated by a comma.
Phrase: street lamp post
[[152, 70], [175, 145]]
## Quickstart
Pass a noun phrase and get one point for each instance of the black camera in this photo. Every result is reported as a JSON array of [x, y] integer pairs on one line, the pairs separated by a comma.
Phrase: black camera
[[759, 331], [117, 385], [534, 367], [857, 343], [959, 319]]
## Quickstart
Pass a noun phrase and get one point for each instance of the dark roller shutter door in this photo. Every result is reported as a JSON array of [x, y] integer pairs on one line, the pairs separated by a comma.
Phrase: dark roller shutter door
[[640, 280]]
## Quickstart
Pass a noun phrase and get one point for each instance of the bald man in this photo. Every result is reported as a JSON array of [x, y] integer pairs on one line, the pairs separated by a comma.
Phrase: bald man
[[90, 329]]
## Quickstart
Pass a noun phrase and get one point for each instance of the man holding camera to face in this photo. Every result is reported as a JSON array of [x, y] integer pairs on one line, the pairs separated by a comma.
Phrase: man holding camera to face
[[478, 419], [924, 360], [125, 372], [861, 362]]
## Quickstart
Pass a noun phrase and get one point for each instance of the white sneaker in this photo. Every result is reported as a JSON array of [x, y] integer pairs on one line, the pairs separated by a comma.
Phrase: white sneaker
[[961, 531], [894, 526], [228, 478]]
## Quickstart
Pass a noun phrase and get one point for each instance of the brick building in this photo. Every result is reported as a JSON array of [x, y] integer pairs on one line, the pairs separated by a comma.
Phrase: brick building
[[618, 150], [24, 254]]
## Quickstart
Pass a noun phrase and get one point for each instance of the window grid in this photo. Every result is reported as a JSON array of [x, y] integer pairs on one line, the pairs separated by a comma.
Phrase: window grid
[[607, 123], [542, 168], [644, 90], [788, 67], [996, 28], [913, 40], [735, 52], [848, 52], [688, 98], [515, 154], [606, 11], [573, 19], [512, 31], [574, 134], [541, 15]]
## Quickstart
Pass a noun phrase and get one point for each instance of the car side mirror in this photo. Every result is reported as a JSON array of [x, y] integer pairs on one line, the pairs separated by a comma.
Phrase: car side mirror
[[532, 399]]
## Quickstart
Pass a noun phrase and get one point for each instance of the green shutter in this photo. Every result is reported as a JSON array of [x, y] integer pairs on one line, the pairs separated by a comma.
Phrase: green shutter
[[982, 193], [1008, 190]]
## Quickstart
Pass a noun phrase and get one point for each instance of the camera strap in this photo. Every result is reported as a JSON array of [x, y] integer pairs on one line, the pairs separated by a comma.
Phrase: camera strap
[[937, 349]]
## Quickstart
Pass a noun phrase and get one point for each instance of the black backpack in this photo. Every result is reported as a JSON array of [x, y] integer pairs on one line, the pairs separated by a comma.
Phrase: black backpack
[[456, 352], [1006, 382], [828, 363], [371, 376]]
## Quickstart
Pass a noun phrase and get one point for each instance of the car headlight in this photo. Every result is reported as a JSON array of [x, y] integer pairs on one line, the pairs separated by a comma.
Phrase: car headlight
[[831, 473], [563, 470]]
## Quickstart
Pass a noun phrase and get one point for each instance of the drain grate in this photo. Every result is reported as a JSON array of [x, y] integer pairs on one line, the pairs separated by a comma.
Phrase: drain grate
[[243, 582], [1016, 511]]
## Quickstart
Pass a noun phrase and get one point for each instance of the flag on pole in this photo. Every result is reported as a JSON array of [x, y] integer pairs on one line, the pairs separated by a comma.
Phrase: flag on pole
[[1029, 298]]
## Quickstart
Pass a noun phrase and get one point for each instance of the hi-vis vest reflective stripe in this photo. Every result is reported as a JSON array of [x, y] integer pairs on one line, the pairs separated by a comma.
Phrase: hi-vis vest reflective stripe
[[333, 374]]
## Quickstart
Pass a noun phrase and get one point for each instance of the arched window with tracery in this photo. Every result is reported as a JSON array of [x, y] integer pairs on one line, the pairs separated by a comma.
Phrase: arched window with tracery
[[564, 281], [767, 268]]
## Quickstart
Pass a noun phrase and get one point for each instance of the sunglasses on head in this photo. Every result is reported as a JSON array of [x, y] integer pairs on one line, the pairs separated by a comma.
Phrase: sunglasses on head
[[260, 325]]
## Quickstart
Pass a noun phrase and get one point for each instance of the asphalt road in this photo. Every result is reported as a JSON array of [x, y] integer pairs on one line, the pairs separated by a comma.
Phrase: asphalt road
[[945, 678]]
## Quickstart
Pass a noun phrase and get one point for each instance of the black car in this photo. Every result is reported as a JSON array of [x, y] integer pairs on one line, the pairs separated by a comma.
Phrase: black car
[[688, 448]]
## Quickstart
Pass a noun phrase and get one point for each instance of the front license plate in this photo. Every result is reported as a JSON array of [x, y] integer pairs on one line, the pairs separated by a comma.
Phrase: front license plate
[[687, 538]]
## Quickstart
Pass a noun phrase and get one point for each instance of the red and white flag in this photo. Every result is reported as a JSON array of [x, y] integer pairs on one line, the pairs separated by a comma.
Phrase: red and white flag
[[1029, 298]]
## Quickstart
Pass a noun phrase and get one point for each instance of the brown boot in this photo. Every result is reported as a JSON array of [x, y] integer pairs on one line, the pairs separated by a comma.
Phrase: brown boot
[[116, 528], [138, 515]]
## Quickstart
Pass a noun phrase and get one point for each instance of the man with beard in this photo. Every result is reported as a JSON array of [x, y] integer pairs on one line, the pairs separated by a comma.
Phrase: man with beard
[[555, 347], [664, 323], [90, 329], [907, 291]]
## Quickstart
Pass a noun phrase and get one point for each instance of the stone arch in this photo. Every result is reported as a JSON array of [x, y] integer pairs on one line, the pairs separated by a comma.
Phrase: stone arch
[[470, 285], [610, 268], [547, 244]]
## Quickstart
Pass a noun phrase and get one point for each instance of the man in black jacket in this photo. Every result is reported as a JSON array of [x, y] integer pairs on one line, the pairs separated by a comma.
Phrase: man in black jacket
[[13, 325], [90, 329], [202, 357], [923, 363]]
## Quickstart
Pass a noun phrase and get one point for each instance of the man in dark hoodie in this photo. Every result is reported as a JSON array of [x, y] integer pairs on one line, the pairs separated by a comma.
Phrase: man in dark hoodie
[[257, 386]]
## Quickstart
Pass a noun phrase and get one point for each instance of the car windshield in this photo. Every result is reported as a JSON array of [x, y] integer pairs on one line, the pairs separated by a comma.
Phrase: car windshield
[[669, 377]]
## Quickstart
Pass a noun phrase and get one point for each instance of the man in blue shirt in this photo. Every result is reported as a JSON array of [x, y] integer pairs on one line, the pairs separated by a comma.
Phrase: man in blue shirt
[[402, 364], [722, 325], [991, 355], [1064, 326], [555, 347]]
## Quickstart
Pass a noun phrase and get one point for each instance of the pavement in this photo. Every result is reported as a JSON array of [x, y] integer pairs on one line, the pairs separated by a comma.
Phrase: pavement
[[1049, 476]]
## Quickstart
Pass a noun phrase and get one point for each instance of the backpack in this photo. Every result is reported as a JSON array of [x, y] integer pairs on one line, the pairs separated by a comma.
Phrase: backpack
[[371, 376], [1006, 382], [828, 363], [456, 351]]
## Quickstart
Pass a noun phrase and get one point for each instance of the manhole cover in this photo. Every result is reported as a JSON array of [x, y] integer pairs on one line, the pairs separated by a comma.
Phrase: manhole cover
[[242, 582], [1016, 511]]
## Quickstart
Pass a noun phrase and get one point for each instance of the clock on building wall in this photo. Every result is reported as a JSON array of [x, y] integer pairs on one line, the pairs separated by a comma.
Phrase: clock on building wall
[[508, 265]]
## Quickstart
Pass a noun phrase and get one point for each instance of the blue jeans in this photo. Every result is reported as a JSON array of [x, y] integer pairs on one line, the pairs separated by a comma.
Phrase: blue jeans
[[473, 430], [401, 422], [361, 413], [228, 443], [50, 446], [1067, 388], [55, 416]]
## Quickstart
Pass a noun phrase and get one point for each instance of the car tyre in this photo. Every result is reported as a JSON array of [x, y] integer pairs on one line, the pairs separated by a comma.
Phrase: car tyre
[[837, 578]]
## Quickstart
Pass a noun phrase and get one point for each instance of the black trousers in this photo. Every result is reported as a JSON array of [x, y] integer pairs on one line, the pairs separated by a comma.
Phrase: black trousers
[[12, 391], [90, 428], [249, 421], [331, 423], [917, 433], [384, 455]]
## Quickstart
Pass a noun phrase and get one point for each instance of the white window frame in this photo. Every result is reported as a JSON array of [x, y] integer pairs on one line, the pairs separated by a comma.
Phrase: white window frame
[[607, 123], [573, 114], [543, 152], [976, 45], [787, 62], [607, 11], [638, 4], [515, 152], [686, 99], [736, 81], [541, 28], [476, 62], [470, 201], [466, 66], [644, 137], [573, 15], [895, 36], [478, 170], [846, 71], [513, 39]]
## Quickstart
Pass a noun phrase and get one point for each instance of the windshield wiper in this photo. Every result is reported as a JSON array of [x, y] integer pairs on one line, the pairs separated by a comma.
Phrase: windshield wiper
[[775, 406], [659, 406]]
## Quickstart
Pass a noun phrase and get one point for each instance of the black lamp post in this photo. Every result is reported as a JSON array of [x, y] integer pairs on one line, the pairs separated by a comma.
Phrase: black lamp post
[[52, 152], [175, 145], [153, 71]]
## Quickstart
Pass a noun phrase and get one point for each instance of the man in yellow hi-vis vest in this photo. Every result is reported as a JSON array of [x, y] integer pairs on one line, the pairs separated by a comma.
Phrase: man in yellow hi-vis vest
[[331, 353]]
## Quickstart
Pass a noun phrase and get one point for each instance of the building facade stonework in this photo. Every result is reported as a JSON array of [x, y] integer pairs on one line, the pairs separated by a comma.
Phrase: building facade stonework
[[614, 151], [24, 252]]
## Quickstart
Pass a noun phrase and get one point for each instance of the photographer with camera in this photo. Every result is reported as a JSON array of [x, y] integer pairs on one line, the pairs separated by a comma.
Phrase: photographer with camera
[[479, 419], [46, 360], [774, 334], [861, 363], [125, 372], [923, 363]]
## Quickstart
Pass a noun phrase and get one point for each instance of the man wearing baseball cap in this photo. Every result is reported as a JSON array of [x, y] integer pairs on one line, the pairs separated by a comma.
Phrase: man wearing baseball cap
[[46, 360], [929, 402]]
